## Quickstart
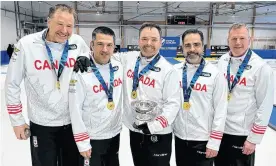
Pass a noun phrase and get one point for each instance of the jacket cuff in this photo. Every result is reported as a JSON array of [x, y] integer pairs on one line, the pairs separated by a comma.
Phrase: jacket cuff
[[84, 145], [17, 120], [155, 127], [255, 138], [256, 134], [213, 144], [215, 140]]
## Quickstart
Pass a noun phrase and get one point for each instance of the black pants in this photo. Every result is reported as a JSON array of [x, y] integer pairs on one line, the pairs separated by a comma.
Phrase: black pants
[[191, 153], [230, 152], [52, 146], [104, 152], [151, 150]]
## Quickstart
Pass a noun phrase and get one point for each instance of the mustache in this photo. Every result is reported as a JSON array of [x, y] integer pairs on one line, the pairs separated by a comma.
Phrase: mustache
[[145, 46], [193, 53], [104, 53]]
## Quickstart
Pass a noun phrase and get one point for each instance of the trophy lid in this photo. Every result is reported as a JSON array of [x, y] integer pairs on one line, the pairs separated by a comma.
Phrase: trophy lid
[[143, 106]]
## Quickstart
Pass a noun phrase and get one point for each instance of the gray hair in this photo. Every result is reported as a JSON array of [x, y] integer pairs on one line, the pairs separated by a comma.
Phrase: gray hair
[[103, 30], [238, 26], [62, 7]]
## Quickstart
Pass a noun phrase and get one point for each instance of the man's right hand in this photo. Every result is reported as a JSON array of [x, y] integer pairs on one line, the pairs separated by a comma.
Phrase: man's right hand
[[86, 154], [82, 64], [20, 131]]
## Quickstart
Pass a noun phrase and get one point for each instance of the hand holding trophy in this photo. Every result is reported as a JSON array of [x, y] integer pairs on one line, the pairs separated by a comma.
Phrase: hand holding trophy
[[145, 111]]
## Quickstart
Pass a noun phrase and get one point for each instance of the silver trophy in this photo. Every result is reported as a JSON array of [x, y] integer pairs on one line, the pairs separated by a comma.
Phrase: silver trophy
[[145, 111]]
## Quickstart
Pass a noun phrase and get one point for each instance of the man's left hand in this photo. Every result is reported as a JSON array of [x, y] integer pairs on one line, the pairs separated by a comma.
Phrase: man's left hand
[[144, 127], [248, 148]]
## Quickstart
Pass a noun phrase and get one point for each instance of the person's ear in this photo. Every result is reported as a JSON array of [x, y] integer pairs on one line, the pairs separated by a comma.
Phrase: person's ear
[[48, 21], [91, 45], [228, 41]]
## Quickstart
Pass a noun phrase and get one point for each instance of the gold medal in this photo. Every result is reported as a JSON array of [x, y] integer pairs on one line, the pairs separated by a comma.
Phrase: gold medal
[[110, 105], [58, 84], [229, 96], [134, 94], [186, 106]]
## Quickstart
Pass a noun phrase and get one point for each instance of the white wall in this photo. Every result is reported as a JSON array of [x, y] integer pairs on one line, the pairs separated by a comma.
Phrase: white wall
[[219, 37], [103, 17], [219, 34], [8, 25], [262, 37], [8, 30]]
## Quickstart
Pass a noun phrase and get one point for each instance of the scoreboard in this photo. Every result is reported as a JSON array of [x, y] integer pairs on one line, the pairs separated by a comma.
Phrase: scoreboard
[[181, 20]]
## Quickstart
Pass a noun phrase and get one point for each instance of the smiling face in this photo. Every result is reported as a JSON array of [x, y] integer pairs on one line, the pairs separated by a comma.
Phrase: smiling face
[[238, 41], [103, 47], [60, 26], [193, 48], [149, 41]]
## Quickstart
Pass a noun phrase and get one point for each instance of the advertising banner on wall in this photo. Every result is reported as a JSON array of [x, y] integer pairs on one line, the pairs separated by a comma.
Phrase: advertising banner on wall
[[169, 46], [170, 41]]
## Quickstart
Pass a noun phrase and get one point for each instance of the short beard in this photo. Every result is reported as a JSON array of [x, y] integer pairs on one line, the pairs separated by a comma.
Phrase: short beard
[[193, 59]]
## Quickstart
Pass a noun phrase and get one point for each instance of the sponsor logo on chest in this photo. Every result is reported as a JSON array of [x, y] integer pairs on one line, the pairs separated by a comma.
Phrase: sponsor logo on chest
[[205, 74], [73, 46]]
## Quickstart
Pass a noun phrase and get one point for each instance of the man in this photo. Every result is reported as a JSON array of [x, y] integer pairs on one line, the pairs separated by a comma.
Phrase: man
[[96, 103], [199, 125], [250, 97], [10, 50], [148, 76], [45, 61]]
